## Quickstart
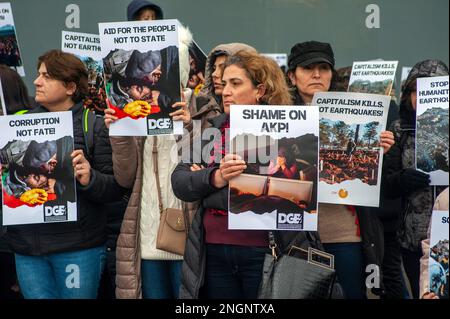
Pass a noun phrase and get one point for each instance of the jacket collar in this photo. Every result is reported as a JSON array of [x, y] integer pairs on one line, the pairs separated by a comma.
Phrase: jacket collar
[[76, 108], [218, 120]]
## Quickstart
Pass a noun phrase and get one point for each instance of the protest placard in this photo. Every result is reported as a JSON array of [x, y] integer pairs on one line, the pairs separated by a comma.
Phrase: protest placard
[[142, 75], [197, 60], [278, 190], [38, 184], [350, 159], [86, 47], [432, 128], [438, 261], [280, 58], [9, 45], [375, 77], [2, 101]]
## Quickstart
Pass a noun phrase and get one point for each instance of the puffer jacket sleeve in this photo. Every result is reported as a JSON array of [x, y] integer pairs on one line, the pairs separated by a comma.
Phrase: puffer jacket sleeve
[[192, 186], [124, 157], [103, 187]]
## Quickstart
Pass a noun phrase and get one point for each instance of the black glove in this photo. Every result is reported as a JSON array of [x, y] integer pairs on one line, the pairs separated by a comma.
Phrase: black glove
[[411, 179]]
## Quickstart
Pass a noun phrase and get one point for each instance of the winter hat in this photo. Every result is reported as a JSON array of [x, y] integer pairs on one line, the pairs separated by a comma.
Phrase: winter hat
[[136, 5], [38, 154], [424, 69], [306, 53]]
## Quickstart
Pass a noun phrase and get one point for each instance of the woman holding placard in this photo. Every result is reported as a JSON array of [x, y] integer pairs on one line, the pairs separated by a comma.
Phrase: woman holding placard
[[220, 263], [403, 181], [311, 70]]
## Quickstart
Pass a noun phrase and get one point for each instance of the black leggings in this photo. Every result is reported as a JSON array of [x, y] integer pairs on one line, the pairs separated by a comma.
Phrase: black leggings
[[411, 262]]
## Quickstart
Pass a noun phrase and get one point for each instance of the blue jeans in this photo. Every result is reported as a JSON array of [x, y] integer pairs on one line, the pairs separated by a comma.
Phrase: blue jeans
[[70, 275], [234, 272], [161, 278], [348, 262]]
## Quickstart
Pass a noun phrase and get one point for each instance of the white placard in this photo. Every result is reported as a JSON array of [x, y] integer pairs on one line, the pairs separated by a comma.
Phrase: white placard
[[38, 184]]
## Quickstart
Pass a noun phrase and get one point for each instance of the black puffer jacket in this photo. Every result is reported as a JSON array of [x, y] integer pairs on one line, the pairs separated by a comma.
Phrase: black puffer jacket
[[90, 228], [417, 204], [192, 186]]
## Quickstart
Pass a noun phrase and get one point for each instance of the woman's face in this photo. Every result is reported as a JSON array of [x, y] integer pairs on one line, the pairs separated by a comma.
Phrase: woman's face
[[238, 88], [51, 92], [146, 14], [414, 99], [311, 79], [217, 74]]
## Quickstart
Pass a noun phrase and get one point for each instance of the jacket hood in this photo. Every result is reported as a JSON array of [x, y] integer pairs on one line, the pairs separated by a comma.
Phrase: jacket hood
[[136, 5], [226, 49], [423, 69]]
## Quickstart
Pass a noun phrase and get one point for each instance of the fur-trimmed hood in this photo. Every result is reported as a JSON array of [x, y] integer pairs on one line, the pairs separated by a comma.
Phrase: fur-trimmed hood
[[184, 41], [226, 49]]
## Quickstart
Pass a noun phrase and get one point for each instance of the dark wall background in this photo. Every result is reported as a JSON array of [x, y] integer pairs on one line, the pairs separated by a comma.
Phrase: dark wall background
[[410, 30]]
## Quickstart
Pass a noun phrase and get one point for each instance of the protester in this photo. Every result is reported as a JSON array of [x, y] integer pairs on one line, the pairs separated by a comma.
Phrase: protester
[[209, 100], [441, 204], [16, 98], [45, 251], [403, 181], [143, 271], [15, 91], [139, 10], [311, 70], [392, 285], [221, 263]]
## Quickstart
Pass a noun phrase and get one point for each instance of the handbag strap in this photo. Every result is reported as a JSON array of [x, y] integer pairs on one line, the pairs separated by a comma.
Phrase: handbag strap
[[273, 245], [158, 185], [156, 170]]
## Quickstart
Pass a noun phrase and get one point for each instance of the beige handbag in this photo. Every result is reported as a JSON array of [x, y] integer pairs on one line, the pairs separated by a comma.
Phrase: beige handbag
[[173, 224]]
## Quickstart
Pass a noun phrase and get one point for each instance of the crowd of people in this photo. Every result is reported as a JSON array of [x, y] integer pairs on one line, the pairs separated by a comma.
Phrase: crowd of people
[[9, 51], [124, 183]]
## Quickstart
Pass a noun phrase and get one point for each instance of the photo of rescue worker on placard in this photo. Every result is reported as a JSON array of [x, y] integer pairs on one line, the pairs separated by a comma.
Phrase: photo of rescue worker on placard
[[278, 189], [439, 257], [142, 80], [38, 184], [197, 61]]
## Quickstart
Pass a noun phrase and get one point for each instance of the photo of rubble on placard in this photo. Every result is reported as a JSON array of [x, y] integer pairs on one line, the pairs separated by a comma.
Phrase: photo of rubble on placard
[[349, 152], [366, 86], [433, 153]]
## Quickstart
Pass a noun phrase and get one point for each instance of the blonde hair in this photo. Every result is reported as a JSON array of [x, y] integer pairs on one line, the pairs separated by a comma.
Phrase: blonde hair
[[265, 71]]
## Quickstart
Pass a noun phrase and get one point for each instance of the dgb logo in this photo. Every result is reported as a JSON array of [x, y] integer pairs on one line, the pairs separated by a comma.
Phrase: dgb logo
[[159, 126], [55, 213], [290, 220]]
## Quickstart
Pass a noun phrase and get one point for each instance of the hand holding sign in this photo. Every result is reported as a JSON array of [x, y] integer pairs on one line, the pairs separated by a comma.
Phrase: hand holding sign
[[82, 167], [386, 140], [231, 166], [182, 114], [110, 117]]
